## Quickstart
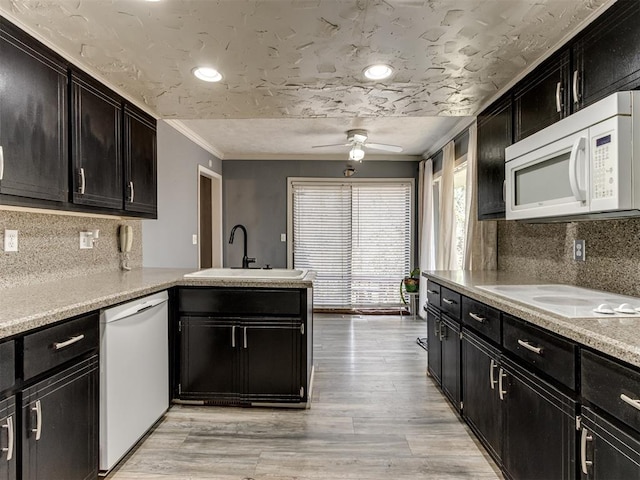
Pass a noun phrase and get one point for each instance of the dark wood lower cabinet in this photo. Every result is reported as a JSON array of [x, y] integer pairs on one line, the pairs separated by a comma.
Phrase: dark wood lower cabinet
[[59, 425], [607, 452], [450, 334], [482, 405], [539, 427], [434, 345], [8, 439]]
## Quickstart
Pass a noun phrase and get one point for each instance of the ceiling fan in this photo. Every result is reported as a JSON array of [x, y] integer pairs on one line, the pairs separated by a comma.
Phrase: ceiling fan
[[357, 140]]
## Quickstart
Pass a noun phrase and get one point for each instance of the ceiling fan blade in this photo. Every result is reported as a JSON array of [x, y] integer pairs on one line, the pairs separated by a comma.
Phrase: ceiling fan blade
[[382, 146], [332, 145]]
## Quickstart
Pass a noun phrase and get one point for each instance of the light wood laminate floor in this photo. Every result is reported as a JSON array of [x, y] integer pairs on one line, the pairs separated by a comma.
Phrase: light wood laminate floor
[[374, 415]]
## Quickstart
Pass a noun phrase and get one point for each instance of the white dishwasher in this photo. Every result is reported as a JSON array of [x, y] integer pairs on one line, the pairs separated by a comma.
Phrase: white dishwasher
[[134, 373]]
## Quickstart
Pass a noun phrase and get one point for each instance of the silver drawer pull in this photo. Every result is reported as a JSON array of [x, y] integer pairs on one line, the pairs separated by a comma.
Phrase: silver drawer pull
[[71, 341], [245, 337], [233, 337], [501, 390], [630, 401], [584, 463], [446, 300], [477, 317], [38, 429], [492, 380], [531, 348], [432, 292], [10, 436]]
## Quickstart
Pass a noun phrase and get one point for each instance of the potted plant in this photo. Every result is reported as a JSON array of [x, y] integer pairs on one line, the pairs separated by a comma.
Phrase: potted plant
[[412, 283]]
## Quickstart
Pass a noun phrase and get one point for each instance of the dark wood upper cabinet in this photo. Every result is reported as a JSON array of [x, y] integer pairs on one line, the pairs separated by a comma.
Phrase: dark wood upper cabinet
[[139, 162], [542, 98], [607, 54], [33, 118], [495, 133], [96, 114]]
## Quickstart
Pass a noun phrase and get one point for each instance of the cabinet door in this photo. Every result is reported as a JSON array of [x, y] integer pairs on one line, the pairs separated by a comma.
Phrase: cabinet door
[[208, 358], [539, 427], [60, 425], [542, 98], [606, 451], [271, 360], [606, 54], [8, 439], [33, 118], [450, 334], [140, 162], [96, 140], [482, 406], [434, 346], [494, 135]]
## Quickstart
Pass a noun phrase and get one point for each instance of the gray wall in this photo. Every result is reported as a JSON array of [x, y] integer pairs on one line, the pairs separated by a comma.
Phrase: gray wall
[[255, 195], [167, 241]]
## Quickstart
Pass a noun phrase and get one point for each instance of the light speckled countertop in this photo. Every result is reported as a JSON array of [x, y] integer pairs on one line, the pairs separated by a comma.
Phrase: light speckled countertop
[[618, 337], [27, 307]]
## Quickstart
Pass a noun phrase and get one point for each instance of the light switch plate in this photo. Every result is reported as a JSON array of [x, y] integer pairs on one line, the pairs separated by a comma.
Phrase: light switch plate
[[194, 239], [283, 237], [11, 240], [86, 240]]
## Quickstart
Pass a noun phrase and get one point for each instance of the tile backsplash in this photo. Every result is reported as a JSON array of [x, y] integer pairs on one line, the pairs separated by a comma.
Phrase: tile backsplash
[[546, 252], [49, 247]]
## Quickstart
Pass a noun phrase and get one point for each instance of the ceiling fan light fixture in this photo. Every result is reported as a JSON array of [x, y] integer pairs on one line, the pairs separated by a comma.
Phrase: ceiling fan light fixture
[[356, 153], [207, 74], [378, 72]]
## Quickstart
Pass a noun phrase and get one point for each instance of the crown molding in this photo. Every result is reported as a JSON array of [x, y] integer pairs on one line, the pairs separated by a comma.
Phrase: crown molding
[[194, 137]]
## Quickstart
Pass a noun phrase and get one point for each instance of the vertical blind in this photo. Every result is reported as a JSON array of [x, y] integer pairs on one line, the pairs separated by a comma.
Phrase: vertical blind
[[357, 237]]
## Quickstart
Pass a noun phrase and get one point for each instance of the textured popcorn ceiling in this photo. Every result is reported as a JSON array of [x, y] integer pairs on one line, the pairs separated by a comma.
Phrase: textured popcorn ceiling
[[285, 60]]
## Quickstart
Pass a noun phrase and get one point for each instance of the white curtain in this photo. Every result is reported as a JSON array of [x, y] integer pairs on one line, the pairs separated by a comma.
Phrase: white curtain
[[426, 238], [446, 251], [480, 243]]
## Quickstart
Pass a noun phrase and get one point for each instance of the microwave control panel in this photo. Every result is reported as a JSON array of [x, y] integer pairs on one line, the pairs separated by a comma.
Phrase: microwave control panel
[[603, 162]]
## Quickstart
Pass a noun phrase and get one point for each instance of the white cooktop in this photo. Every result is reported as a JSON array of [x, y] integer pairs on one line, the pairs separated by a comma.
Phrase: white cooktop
[[570, 301]]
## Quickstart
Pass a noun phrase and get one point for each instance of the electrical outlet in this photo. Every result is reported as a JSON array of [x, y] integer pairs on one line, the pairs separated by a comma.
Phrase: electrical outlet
[[86, 240], [579, 252], [11, 240]]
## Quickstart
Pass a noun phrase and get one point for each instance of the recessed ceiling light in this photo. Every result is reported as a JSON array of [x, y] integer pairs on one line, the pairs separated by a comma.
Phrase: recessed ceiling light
[[378, 72], [207, 74]]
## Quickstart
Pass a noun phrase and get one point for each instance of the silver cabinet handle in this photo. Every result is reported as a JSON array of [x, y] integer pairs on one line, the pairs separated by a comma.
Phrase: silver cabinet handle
[[583, 451], [504, 190], [71, 341], [132, 192], [10, 437], [501, 390], [83, 183], [38, 409], [492, 380], [531, 348], [446, 300], [437, 329], [575, 86], [432, 292], [443, 332], [233, 337], [477, 317], [630, 401], [558, 102], [1, 163], [245, 337]]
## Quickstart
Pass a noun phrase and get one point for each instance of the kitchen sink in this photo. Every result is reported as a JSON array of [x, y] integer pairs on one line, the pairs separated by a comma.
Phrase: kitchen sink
[[250, 273]]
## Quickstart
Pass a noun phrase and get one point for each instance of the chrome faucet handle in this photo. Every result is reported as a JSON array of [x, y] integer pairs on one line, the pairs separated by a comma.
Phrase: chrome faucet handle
[[251, 260]]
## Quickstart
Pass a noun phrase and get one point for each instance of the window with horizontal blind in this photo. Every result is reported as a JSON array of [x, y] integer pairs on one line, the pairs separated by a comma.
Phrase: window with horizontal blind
[[356, 236]]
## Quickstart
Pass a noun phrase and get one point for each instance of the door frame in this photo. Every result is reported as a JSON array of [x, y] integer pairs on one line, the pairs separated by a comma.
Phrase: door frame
[[216, 223]]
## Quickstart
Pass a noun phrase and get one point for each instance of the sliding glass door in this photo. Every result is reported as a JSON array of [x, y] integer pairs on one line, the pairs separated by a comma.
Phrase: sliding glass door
[[356, 236]]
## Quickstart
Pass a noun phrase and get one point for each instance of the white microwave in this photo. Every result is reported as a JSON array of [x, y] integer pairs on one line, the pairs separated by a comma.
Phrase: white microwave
[[586, 165]]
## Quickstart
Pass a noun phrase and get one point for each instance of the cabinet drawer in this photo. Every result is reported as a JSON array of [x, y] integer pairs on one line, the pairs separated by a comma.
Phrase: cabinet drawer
[[56, 345], [547, 352], [7, 365], [481, 318], [611, 386], [450, 302], [240, 301], [433, 293]]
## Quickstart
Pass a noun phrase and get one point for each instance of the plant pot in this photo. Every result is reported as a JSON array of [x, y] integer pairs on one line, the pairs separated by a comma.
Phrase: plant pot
[[411, 285]]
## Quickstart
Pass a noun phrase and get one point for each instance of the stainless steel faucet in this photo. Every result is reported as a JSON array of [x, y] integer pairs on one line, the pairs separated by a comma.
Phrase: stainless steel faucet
[[245, 260]]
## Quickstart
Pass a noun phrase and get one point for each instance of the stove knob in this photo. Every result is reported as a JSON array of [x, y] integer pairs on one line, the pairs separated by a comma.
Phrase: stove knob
[[625, 308], [604, 308]]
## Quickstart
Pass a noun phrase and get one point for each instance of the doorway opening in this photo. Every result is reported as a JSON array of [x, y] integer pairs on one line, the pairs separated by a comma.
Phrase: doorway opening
[[209, 218]]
